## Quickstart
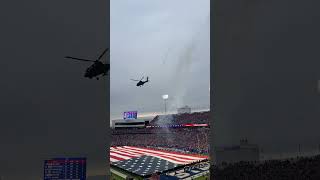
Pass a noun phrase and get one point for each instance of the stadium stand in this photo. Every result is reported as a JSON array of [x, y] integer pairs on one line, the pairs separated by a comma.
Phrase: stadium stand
[[188, 139], [191, 139], [293, 169], [196, 118]]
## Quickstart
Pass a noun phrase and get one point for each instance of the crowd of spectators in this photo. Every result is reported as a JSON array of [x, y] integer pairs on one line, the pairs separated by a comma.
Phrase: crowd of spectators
[[194, 140], [190, 139], [300, 168], [132, 131], [195, 118]]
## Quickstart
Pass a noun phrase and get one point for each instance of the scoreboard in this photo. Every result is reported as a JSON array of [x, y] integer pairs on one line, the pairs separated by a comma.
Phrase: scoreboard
[[130, 115], [65, 168]]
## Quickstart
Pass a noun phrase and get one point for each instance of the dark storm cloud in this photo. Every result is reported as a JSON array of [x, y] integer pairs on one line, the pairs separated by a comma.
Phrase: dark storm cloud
[[267, 67], [166, 40], [47, 108]]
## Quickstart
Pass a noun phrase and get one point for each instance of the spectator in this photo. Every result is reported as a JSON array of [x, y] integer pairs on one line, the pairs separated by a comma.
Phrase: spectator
[[194, 140], [297, 169]]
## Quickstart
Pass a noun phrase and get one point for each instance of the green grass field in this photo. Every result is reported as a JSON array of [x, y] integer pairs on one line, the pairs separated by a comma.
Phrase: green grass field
[[116, 177], [205, 177]]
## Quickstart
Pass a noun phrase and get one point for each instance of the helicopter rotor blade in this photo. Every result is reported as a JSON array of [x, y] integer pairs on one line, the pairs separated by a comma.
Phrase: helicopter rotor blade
[[79, 59], [102, 54], [141, 78], [134, 80]]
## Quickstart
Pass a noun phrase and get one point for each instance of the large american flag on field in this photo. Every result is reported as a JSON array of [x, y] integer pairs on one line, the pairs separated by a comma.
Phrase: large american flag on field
[[147, 161]]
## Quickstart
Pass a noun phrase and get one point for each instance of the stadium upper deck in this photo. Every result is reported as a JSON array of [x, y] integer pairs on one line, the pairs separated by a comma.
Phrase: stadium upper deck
[[196, 118]]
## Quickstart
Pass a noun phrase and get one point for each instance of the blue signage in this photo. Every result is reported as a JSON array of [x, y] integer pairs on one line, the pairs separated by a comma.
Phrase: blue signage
[[130, 115]]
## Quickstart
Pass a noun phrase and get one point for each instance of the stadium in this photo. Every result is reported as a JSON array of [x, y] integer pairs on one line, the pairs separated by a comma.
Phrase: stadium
[[173, 146]]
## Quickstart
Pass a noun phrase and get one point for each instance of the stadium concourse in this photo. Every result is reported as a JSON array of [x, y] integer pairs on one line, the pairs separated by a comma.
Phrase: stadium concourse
[[163, 147]]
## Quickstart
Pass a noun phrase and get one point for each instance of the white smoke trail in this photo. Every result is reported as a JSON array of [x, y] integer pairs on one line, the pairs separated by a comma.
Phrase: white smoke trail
[[183, 67], [166, 120]]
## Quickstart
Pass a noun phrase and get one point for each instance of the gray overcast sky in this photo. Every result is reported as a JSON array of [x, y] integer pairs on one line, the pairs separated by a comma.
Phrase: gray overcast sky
[[169, 41], [267, 71], [47, 108]]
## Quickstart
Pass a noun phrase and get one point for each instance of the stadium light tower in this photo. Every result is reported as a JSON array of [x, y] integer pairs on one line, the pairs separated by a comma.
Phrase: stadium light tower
[[165, 97]]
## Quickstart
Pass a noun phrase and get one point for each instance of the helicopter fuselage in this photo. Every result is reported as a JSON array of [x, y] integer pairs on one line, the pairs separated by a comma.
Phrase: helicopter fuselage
[[141, 83], [96, 69]]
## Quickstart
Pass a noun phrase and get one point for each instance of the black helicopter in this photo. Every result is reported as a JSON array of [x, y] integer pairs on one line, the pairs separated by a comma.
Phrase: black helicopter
[[141, 83], [97, 68]]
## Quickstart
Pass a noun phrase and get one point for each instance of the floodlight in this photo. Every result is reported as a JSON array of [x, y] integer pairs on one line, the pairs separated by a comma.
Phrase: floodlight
[[166, 96]]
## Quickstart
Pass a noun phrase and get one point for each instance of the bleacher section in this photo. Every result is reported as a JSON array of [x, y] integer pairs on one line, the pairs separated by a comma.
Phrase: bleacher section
[[195, 118], [190, 139], [294, 169]]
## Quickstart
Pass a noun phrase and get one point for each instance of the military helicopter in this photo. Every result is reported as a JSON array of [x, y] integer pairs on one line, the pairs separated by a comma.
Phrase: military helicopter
[[97, 68], [141, 83]]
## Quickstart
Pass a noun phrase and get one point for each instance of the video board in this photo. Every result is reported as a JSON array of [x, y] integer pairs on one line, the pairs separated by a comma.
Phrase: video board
[[65, 168], [130, 115]]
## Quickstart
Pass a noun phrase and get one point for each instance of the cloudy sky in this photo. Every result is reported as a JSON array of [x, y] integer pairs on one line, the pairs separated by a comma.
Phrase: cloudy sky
[[167, 41], [267, 68], [47, 108]]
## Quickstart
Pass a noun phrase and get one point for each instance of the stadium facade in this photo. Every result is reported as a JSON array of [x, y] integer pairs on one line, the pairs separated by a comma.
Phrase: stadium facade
[[131, 123], [185, 109]]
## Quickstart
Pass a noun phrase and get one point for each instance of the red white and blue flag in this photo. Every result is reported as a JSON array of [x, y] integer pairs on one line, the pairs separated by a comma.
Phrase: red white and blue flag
[[146, 161]]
